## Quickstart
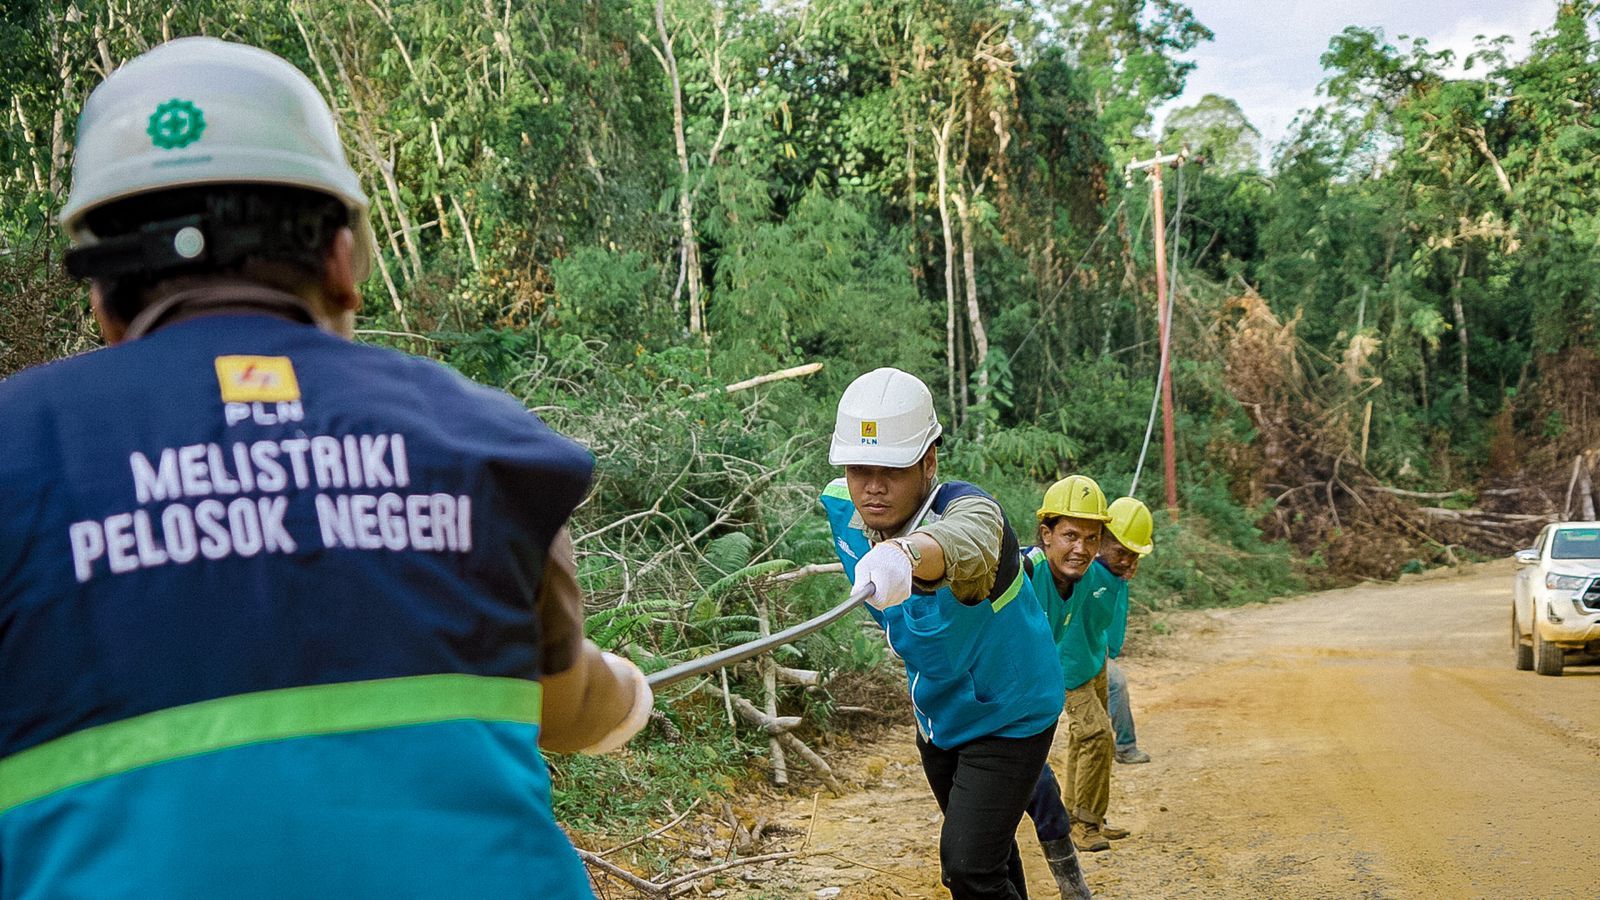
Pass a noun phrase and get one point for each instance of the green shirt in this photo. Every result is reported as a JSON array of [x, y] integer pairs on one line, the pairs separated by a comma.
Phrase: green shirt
[[1079, 622]]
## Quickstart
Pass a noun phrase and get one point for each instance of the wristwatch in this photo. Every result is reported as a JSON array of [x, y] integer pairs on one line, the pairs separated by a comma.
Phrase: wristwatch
[[909, 549]]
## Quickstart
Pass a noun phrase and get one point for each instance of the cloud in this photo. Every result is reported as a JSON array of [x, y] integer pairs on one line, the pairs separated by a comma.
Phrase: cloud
[[1462, 36], [1271, 64]]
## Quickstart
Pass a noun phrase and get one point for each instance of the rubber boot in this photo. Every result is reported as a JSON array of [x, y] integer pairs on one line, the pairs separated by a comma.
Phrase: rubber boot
[[1064, 866]]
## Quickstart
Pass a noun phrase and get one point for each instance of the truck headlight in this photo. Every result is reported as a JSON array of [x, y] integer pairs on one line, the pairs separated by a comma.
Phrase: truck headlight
[[1556, 581]]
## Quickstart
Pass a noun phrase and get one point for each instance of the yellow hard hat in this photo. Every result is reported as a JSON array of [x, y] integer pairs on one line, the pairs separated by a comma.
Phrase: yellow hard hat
[[1132, 525], [1077, 496]]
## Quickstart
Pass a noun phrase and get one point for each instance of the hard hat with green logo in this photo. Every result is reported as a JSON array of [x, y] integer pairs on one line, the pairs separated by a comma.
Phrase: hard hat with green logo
[[1132, 525], [885, 418], [1075, 496], [200, 111]]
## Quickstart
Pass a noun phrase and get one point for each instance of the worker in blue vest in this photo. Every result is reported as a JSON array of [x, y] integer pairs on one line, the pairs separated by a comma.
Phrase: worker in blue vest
[[942, 574], [280, 615]]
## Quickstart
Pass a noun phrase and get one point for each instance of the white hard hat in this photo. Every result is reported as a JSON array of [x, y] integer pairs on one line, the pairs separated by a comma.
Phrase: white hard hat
[[198, 111], [885, 418]]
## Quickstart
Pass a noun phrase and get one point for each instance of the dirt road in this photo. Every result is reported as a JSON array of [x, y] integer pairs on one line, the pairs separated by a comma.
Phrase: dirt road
[[1367, 742]]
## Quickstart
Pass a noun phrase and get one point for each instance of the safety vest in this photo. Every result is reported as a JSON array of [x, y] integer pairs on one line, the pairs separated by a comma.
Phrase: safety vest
[[267, 623], [1080, 622], [983, 670]]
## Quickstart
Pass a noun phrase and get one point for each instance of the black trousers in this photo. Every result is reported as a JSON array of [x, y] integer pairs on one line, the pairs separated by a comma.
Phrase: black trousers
[[982, 787]]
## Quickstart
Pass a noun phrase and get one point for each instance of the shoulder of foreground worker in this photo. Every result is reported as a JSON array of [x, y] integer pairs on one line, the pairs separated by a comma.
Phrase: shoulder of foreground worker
[[481, 421], [24, 389], [969, 504], [975, 500], [30, 400], [836, 489], [956, 491], [969, 525]]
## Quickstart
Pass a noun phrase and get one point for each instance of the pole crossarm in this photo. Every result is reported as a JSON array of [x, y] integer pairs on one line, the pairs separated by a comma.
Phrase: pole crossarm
[[1170, 159]]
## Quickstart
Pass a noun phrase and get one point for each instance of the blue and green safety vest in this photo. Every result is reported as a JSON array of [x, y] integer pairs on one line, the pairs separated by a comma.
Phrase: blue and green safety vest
[[268, 625], [982, 670]]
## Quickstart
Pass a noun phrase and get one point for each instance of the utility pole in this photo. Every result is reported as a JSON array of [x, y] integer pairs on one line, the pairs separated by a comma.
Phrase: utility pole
[[1163, 316]]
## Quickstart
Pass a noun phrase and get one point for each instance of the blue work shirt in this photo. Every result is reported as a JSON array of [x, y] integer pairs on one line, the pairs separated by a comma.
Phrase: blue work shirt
[[268, 623]]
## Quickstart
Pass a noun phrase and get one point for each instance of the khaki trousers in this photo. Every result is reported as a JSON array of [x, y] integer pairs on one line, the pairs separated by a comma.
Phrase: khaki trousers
[[1090, 751]]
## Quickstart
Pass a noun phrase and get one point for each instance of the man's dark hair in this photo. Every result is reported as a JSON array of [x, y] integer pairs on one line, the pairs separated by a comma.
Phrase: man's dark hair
[[242, 224]]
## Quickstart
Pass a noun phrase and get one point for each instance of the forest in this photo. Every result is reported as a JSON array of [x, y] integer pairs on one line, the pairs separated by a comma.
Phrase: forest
[[624, 213]]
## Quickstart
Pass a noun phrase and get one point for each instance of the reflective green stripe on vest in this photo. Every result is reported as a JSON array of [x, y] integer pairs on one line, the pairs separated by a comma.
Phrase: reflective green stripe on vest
[[1011, 593], [255, 718]]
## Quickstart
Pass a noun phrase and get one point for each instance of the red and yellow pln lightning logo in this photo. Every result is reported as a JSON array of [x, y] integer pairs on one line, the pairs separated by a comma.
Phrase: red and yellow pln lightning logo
[[257, 379], [869, 429]]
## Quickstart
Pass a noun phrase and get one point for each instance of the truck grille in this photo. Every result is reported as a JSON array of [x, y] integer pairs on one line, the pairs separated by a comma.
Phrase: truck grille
[[1590, 598]]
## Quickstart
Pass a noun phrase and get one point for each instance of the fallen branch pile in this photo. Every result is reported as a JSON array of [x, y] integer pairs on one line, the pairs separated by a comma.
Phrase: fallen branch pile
[[1309, 461]]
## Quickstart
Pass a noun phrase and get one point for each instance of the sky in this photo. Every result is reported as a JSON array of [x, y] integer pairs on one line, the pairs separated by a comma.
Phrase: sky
[[1265, 53]]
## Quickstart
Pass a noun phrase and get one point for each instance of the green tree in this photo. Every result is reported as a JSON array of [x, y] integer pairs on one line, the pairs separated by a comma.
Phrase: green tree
[[1130, 50], [1216, 129]]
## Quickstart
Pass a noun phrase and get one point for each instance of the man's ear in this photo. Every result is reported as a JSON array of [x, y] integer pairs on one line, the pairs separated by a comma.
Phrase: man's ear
[[112, 328], [1043, 530], [930, 464], [339, 289]]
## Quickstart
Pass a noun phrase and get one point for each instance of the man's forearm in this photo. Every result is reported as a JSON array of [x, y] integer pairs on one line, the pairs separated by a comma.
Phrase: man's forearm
[[588, 694], [586, 702], [931, 566], [968, 538]]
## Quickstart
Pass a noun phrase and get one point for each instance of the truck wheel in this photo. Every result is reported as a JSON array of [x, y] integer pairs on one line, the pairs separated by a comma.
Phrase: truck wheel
[[1547, 657], [1524, 651]]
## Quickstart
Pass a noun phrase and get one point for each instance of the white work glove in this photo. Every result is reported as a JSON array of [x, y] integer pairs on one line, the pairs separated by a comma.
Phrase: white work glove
[[888, 569], [638, 715]]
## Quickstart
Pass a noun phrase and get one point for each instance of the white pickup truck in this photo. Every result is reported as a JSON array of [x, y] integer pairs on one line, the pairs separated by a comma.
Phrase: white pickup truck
[[1555, 605]]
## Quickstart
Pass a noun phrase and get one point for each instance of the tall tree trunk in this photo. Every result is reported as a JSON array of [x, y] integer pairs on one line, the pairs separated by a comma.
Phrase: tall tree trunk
[[1130, 274], [941, 155], [408, 232], [980, 337], [691, 246], [1422, 380], [58, 122], [39, 183], [368, 135], [1461, 322], [909, 129], [963, 400], [1480, 140]]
